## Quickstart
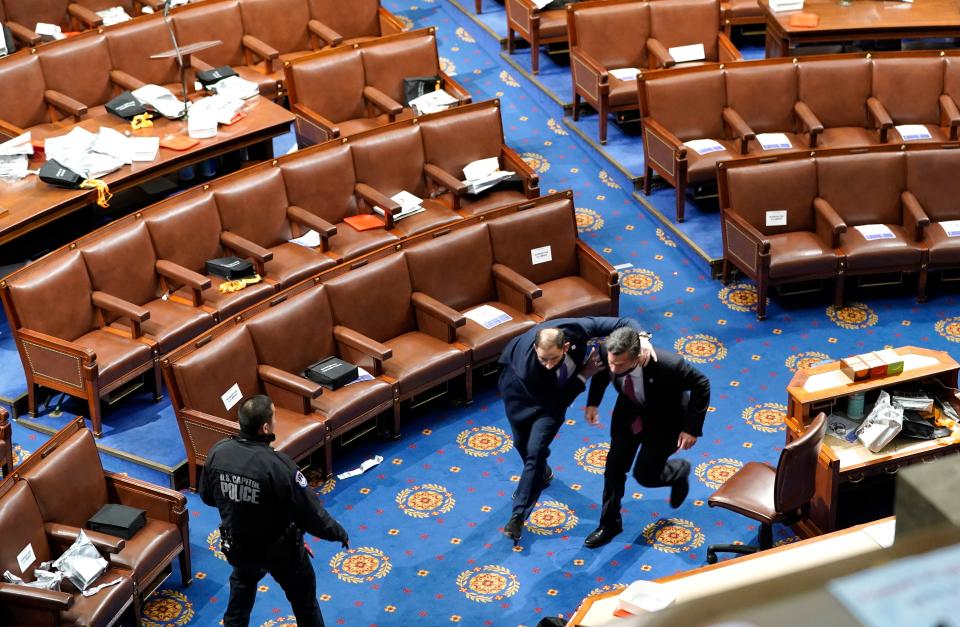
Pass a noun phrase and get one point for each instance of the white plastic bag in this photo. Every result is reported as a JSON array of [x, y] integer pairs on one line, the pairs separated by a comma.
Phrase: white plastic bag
[[81, 563], [882, 425]]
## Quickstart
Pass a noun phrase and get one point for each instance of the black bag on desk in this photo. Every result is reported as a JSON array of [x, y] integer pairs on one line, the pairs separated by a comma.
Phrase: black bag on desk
[[921, 429], [125, 106], [331, 372], [118, 520], [217, 74], [55, 174], [416, 86], [230, 268]]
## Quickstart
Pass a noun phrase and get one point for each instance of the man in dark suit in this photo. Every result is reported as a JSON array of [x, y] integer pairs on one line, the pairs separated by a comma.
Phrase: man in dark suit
[[544, 370], [660, 410]]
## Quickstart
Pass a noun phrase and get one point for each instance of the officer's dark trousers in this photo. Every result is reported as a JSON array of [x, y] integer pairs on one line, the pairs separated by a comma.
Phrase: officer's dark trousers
[[532, 438], [288, 563]]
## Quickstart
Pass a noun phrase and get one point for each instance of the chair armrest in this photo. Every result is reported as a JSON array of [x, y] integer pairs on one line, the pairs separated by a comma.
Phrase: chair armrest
[[744, 232], [430, 311], [445, 179], [515, 289], [360, 342], [125, 81], [85, 15], [199, 64], [597, 271], [289, 382], [312, 221], [67, 535], [375, 198], [950, 113], [739, 127], [12, 595], [245, 247], [10, 131], [57, 344], [177, 272], [880, 115], [512, 161], [666, 136], [660, 53], [809, 120], [590, 64], [915, 219], [135, 314], [156, 5], [382, 101], [23, 34], [727, 51], [65, 103], [328, 128], [324, 32], [158, 502], [260, 49], [454, 88], [828, 222]]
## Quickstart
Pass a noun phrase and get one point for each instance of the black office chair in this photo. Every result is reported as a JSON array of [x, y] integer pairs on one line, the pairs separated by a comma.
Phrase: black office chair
[[769, 495]]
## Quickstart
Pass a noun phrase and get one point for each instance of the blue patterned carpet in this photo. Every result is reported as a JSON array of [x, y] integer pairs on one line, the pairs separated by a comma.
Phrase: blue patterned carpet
[[426, 547]]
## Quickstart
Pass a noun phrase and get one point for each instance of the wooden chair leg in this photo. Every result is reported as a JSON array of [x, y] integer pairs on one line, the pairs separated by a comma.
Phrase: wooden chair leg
[[725, 274], [192, 475], [681, 190], [186, 575], [328, 458], [511, 42], [838, 291], [95, 415], [32, 398], [922, 285], [761, 297], [603, 121], [647, 179], [576, 106], [157, 382], [478, 6], [535, 51]]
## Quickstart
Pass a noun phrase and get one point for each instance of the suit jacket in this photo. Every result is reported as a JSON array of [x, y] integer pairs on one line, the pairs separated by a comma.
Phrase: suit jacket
[[665, 410], [529, 389]]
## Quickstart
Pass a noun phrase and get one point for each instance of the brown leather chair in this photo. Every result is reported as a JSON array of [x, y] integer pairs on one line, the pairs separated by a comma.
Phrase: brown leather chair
[[832, 102], [62, 333], [934, 187], [70, 486], [377, 301], [275, 31], [772, 496], [322, 182], [131, 46], [537, 27], [35, 105], [22, 524], [803, 248], [197, 379], [344, 24], [760, 99], [923, 103], [79, 67], [576, 281], [301, 332], [6, 443], [22, 17], [264, 234]]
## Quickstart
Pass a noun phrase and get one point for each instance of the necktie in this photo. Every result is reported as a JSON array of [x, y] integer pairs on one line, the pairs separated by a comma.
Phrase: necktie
[[562, 374], [630, 391]]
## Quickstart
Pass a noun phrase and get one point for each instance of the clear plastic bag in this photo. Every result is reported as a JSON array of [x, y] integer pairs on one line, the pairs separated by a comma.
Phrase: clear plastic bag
[[43, 579], [81, 563]]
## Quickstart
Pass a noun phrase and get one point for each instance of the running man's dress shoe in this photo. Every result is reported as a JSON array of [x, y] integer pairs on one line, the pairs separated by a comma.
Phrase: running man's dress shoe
[[602, 535], [514, 528], [679, 491]]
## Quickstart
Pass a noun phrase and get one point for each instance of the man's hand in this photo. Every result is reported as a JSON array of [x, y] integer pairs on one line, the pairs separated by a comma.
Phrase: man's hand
[[592, 414], [343, 538], [685, 441], [646, 351], [592, 366]]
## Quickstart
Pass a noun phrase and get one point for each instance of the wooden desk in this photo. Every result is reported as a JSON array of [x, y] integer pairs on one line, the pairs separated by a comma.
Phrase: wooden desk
[[597, 610], [31, 203], [843, 464], [863, 19]]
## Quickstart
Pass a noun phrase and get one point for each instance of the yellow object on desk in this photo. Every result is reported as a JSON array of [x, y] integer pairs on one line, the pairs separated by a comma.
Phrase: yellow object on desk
[[144, 120], [236, 285]]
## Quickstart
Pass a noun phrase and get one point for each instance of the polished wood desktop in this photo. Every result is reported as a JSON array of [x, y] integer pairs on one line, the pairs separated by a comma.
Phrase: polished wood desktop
[[30, 203], [861, 20], [841, 464]]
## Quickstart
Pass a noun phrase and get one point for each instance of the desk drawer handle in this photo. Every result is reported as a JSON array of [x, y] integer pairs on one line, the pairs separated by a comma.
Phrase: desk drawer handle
[[892, 470], [857, 478]]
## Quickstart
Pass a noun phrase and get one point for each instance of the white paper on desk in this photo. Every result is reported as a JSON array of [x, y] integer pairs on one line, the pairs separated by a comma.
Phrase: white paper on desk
[[683, 54], [919, 590], [704, 146], [362, 375], [310, 239], [78, 140], [624, 73], [75, 151], [219, 107], [49, 30], [488, 316], [645, 596], [481, 168], [19, 145], [909, 132], [14, 167], [951, 227], [433, 101], [113, 15], [778, 6], [407, 201], [541, 3], [113, 143], [773, 141], [91, 165], [144, 148], [236, 88], [161, 99], [875, 231], [364, 467]]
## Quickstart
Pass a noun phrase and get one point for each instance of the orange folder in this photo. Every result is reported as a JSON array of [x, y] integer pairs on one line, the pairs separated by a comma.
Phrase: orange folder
[[804, 20], [364, 221], [178, 142]]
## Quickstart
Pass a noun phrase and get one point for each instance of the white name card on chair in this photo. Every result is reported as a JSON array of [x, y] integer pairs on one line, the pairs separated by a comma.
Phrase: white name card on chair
[[910, 132], [704, 146], [951, 227], [875, 231], [776, 218], [693, 52], [624, 73], [541, 3], [773, 141]]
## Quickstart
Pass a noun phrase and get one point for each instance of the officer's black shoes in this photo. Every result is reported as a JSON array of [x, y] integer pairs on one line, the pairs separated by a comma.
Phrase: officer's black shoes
[[603, 535], [679, 489], [514, 528], [547, 475]]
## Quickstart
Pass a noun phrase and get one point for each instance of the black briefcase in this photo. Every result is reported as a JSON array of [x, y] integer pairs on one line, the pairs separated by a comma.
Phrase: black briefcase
[[61, 176], [230, 268], [416, 86], [118, 520], [331, 372], [125, 106], [209, 77]]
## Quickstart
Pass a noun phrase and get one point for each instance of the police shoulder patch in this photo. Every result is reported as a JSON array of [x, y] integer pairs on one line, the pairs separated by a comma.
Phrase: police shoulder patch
[[301, 480]]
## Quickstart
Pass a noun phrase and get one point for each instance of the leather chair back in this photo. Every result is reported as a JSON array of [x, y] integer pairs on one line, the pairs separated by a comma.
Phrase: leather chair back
[[753, 192], [932, 178], [28, 108], [79, 67], [357, 18], [213, 20], [550, 224], [69, 485], [764, 95], [374, 299], [614, 34], [388, 62], [685, 22], [453, 141], [951, 77], [203, 376], [281, 24], [918, 104], [122, 263], [186, 230], [29, 12], [689, 104], [454, 268], [797, 469], [54, 298], [132, 44], [21, 524], [297, 333], [865, 188], [836, 90], [254, 206], [330, 83], [322, 182], [391, 161]]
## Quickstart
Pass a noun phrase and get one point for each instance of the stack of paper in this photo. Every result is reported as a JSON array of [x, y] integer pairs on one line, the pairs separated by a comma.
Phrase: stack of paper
[[644, 596], [15, 157], [704, 146], [235, 88], [624, 73], [685, 54], [483, 174], [113, 15], [433, 101], [161, 99], [49, 30], [409, 205], [79, 150], [488, 316]]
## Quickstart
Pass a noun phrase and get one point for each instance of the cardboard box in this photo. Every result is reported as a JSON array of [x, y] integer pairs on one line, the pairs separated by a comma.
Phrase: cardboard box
[[893, 360], [854, 368], [878, 367]]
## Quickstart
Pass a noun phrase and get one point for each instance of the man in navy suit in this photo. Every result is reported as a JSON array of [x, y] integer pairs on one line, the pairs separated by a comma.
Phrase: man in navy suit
[[660, 410], [544, 370]]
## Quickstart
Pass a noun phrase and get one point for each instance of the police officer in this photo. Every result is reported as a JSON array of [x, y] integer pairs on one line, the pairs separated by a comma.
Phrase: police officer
[[265, 507]]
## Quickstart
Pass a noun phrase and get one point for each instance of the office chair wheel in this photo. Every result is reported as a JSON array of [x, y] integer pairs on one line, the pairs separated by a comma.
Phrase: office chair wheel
[[711, 557]]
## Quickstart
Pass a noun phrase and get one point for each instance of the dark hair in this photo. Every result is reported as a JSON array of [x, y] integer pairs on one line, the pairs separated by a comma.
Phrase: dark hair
[[546, 340], [255, 412], [623, 340]]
